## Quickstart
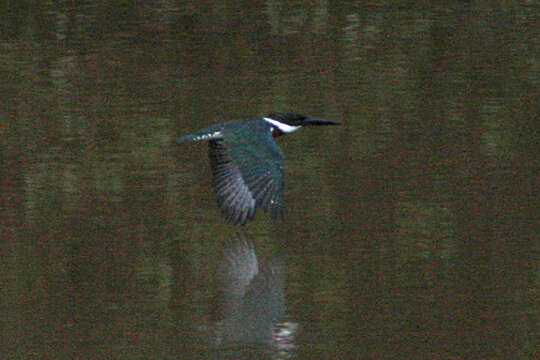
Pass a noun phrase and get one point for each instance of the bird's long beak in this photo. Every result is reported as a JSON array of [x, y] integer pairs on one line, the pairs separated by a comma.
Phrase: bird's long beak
[[317, 121]]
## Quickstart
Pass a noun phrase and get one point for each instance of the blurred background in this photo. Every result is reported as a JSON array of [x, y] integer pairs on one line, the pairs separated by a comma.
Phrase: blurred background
[[410, 229]]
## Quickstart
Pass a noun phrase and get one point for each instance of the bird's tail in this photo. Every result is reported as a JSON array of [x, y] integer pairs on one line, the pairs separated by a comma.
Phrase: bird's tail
[[210, 133]]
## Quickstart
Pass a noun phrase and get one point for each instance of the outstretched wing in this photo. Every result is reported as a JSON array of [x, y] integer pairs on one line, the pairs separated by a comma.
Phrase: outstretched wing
[[247, 166]]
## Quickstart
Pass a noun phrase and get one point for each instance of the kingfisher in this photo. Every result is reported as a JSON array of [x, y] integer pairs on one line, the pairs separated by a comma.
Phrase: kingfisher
[[247, 164]]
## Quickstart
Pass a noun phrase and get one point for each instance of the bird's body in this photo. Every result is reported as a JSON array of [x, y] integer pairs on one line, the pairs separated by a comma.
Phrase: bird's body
[[247, 164]]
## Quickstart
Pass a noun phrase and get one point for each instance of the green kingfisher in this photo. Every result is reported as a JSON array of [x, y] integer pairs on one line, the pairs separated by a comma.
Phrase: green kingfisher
[[247, 164]]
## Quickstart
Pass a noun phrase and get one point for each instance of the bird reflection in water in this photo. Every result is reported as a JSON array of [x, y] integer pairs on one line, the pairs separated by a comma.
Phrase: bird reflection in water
[[251, 299]]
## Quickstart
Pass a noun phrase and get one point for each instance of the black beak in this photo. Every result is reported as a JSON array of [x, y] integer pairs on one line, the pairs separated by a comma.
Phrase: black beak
[[317, 121]]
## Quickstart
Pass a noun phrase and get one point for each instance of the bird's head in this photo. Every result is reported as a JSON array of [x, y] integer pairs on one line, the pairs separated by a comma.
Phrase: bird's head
[[289, 122]]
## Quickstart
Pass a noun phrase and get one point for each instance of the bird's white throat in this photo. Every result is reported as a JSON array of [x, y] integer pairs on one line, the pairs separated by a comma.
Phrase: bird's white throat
[[281, 126]]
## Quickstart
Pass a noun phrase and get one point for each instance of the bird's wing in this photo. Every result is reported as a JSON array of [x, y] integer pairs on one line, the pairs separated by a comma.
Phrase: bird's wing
[[248, 173]]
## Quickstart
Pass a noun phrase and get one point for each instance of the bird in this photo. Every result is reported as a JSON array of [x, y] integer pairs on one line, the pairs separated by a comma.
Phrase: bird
[[247, 163]]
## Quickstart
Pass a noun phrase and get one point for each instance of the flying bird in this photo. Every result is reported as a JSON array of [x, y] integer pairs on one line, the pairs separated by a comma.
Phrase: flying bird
[[247, 164]]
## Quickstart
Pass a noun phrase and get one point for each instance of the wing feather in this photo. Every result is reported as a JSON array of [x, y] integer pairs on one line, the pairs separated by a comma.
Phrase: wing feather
[[247, 173]]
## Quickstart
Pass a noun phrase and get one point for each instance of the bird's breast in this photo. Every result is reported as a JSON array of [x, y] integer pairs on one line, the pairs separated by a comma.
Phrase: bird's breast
[[276, 132]]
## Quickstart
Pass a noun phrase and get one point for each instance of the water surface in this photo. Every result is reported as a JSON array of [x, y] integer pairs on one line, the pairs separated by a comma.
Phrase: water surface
[[409, 230]]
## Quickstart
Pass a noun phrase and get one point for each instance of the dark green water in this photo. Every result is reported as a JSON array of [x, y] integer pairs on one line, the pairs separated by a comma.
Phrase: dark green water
[[411, 229]]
